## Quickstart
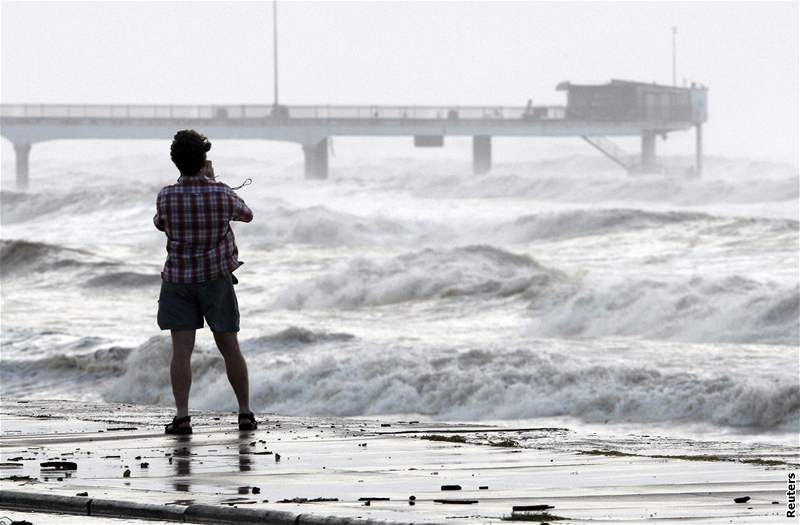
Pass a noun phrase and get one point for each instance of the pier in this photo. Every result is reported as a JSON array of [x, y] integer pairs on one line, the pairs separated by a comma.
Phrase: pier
[[595, 113]]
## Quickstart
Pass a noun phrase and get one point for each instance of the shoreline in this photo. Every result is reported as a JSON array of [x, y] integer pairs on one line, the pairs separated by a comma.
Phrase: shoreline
[[327, 466]]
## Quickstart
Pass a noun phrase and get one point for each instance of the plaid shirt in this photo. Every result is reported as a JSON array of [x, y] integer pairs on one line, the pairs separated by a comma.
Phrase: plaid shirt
[[195, 215]]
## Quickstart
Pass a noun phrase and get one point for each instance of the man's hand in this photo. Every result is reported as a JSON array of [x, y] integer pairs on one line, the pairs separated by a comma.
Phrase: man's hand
[[208, 170]]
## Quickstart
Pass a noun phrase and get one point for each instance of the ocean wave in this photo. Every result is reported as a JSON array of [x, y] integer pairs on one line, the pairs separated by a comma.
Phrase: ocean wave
[[591, 179], [32, 205], [67, 375], [536, 380], [146, 378], [124, 280], [579, 223], [69, 360], [323, 226], [319, 225], [27, 256], [296, 335], [696, 308], [146, 375], [22, 257], [32, 343], [472, 385], [106, 361], [427, 274], [733, 309], [570, 224]]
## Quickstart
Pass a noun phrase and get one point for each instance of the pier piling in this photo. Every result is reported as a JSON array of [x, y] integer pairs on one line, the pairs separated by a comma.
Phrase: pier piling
[[648, 151], [316, 159], [22, 152], [481, 154], [698, 149]]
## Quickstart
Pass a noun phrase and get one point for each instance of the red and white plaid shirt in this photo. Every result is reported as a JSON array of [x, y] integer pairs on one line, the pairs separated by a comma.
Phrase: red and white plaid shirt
[[195, 214]]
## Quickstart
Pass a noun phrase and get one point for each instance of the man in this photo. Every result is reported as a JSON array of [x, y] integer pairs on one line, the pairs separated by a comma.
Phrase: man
[[197, 280]]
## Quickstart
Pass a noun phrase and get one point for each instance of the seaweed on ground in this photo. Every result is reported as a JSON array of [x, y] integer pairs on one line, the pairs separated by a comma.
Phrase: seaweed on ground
[[688, 457], [505, 443], [451, 439], [531, 516]]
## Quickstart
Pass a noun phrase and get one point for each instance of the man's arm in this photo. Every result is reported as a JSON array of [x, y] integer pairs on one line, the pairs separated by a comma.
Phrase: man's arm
[[241, 212], [158, 220]]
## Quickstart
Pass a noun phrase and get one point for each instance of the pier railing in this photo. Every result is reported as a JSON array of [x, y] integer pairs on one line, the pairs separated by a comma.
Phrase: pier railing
[[232, 111]]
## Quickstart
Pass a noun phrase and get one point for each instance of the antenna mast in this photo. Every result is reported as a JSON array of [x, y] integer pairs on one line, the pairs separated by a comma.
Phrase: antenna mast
[[674, 55], [275, 47]]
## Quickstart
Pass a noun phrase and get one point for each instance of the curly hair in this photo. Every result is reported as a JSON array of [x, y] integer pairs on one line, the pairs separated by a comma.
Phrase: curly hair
[[188, 151]]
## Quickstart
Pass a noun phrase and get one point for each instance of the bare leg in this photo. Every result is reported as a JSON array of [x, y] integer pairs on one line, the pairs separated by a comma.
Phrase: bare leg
[[180, 369], [235, 366]]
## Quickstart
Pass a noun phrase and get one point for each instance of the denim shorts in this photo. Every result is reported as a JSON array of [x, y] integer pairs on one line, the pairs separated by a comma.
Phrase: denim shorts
[[182, 306]]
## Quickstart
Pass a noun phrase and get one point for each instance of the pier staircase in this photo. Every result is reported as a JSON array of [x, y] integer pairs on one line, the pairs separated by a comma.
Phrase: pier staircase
[[611, 150]]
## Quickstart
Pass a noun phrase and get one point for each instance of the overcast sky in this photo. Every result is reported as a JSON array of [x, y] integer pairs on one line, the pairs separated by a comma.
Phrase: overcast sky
[[411, 53]]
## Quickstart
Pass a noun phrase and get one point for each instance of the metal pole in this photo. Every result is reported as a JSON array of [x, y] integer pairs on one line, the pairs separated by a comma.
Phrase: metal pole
[[275, 46], [674, 54]]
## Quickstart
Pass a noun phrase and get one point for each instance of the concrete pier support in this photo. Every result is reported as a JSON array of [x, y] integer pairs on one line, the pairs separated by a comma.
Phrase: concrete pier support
[[316, 157], [698, 149], [481, 154], [648, 151], [22, 153]]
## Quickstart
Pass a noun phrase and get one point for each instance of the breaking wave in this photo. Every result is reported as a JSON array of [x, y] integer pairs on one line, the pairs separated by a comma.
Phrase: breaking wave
[[468, 271], [344, 376], [27, 256], [73, 372], [25, 206], [693, 308], [20, 257], [294, 336], [731, 309], [474, 384], [146, 379], [62, 374], [107, 360], [318, 225], [322, 226], [580, 223], [590, 179]]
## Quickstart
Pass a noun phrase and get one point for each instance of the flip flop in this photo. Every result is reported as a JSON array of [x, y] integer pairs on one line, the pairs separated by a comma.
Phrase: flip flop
[[176, 428], [247, 421]]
